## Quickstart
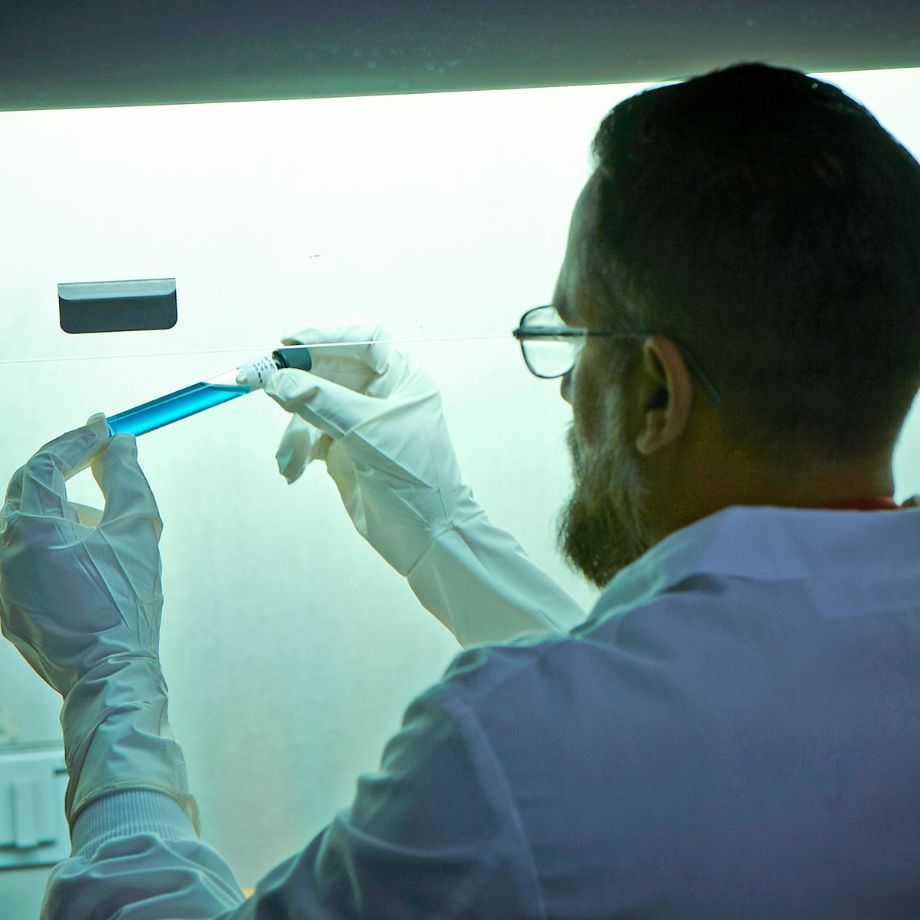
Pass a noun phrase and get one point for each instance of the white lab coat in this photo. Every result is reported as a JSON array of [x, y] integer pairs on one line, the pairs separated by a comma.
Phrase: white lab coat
[[733, 732]]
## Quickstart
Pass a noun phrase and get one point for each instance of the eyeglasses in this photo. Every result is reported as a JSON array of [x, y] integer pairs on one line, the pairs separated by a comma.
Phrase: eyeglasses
[[550, 347]]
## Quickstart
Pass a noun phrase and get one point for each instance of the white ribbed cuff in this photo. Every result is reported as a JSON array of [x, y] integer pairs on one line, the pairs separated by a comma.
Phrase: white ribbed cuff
[[129, 812]]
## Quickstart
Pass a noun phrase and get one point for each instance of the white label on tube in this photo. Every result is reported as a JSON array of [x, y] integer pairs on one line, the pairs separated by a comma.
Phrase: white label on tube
[[256, 374]]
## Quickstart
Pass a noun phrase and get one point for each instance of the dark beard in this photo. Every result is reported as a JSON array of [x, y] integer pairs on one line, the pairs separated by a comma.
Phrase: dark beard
[[600, 531]]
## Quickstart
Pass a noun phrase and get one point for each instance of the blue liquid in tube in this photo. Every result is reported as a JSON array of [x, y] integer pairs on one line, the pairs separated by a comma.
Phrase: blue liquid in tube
[[208, 393], [172, 407]]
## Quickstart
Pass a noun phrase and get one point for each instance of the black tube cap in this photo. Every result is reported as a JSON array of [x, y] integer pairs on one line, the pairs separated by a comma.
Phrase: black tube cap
[[298, 358]]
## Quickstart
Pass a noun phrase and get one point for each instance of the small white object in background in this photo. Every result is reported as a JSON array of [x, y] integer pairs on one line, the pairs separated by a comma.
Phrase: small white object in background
[[33, 827], [9, 726]]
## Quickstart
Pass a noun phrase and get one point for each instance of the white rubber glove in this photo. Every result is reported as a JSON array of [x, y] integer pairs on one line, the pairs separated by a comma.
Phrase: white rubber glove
[[376, 419], [82, 603]]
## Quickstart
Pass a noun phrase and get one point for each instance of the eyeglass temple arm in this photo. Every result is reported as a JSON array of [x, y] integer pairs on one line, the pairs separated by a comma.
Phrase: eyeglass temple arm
[[695, 369], [691, 362]]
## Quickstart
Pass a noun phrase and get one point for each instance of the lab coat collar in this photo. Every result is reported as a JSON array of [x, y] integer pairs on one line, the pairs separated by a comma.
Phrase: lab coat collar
[[771, 543]]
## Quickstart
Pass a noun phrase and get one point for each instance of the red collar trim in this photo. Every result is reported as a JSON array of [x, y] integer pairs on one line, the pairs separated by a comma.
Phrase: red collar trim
[[882, 503]]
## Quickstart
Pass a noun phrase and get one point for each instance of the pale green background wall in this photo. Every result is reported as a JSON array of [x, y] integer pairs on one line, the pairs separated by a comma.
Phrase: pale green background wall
[[290, 648]]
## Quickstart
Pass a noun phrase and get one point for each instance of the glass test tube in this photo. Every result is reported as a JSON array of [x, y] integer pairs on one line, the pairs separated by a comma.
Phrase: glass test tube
[[208, 393]]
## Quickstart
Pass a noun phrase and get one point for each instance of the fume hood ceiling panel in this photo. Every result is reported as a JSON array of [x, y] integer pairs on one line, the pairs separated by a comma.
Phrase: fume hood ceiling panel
[[149, 52]]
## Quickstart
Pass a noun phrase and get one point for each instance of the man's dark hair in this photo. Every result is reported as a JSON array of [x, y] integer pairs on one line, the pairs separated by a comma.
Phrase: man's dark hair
[[770, 223]]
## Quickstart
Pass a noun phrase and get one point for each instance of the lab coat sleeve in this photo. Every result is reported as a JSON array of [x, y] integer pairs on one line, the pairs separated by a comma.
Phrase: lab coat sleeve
[[135, 855], [434, 833], [478, 581]]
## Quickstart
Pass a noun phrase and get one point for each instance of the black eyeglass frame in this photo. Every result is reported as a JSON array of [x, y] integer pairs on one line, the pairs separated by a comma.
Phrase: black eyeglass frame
[[522, 333]]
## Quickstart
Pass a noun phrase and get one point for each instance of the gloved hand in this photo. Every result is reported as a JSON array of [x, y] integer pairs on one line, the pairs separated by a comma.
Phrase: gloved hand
[[80, 598], [375, 418]]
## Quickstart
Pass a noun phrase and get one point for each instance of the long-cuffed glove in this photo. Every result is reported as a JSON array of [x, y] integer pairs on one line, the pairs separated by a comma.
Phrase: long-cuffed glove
[[80, 598], [375, 418]]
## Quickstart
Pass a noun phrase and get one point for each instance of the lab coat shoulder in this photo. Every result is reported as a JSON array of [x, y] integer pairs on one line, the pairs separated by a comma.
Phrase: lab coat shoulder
[[434, 832]]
